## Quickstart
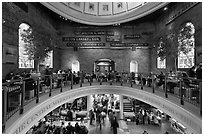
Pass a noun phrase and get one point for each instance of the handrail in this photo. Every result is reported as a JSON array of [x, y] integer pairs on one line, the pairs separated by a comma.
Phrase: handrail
[[32, 88]]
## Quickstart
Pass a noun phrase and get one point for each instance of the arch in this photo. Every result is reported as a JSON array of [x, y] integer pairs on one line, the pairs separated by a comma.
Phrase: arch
[[186, 46], [104, 59], [104, 64], [75, 66], [24, 61], [134, 66], [28, 119]]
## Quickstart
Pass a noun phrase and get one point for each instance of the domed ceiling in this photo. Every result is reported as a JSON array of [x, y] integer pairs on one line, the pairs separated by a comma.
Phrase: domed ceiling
[[103, 13]]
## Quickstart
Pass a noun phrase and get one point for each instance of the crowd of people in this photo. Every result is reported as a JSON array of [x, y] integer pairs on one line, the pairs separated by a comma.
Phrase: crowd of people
[[103, 107], [111, 76], [43, 127]]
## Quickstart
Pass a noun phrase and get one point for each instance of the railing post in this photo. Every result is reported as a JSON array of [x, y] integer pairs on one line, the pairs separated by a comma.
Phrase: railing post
[[90, 80], [50, 93], [61, 82], [141, 82], [71, 80], [181, 92], [100, 80], [4, 108], [131, 82], [111, 80], [66, 79], [153, 84], [200, 94], [165, 86], [37, 90], [81, 74], [22, 98], [121, 81]]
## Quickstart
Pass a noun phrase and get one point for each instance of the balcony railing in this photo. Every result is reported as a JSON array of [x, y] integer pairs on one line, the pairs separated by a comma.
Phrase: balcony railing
[[16, 94]]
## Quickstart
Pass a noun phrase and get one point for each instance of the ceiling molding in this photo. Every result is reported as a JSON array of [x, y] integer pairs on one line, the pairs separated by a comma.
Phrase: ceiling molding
[[103, 13]]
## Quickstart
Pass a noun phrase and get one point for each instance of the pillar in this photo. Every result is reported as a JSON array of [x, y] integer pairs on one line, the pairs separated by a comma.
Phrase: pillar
[[89, 103], [121, 106]]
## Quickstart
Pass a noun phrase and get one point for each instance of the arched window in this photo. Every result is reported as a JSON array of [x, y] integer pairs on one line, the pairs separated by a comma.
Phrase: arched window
[[186, 46], [133, 66], [75, 66], [24, 61]]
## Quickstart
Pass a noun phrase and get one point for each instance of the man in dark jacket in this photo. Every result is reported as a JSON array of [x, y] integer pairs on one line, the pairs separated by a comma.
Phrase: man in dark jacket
[[115, 125]]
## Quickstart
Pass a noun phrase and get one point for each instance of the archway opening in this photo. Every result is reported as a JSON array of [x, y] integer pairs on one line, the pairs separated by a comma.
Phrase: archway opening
[[104, 65]]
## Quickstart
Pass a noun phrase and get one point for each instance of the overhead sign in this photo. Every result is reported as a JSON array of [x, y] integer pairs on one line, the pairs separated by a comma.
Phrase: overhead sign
[[129, 44], [81, 39], [89, 32], [85, 44]]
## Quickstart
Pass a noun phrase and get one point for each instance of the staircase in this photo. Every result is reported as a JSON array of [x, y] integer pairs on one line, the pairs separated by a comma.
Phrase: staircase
[[127, 106]]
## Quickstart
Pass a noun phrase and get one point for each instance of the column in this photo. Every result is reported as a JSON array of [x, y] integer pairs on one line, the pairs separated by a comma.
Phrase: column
[[89, 103], [121, 106]]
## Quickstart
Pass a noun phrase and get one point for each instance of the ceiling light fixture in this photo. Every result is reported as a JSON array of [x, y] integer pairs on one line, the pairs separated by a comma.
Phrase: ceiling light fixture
[[165, 8]]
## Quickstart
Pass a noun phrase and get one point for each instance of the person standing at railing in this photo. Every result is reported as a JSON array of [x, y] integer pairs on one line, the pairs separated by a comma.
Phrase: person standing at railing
[[192, 72], [59, 78], [149, 79], [9, 76], [74, 77], [172, 81], [111, 76], [199, 71], [47, 74], [171, 75], [93, 75], [132, 77], [161, 78]]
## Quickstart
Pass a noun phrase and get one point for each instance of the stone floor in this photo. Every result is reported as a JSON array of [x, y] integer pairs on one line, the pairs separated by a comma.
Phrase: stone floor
[[131, 128]]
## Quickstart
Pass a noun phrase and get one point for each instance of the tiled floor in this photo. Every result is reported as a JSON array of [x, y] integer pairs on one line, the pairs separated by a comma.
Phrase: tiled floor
[[132, 128]]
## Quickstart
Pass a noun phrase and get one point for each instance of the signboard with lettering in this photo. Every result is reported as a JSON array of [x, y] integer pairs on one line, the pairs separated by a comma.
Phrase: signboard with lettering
[[89, 32], [129, 44], [113, 38], [85, 44], [112, 33], [81, 39], [132, 36]]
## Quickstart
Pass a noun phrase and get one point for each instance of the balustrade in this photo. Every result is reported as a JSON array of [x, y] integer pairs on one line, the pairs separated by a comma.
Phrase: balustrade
[[18, 93]]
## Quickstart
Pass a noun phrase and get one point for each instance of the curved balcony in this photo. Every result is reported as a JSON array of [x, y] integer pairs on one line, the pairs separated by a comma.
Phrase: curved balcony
[[25, 101]]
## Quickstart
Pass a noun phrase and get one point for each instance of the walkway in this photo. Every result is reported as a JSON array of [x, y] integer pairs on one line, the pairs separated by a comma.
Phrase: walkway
[[131, 128]]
